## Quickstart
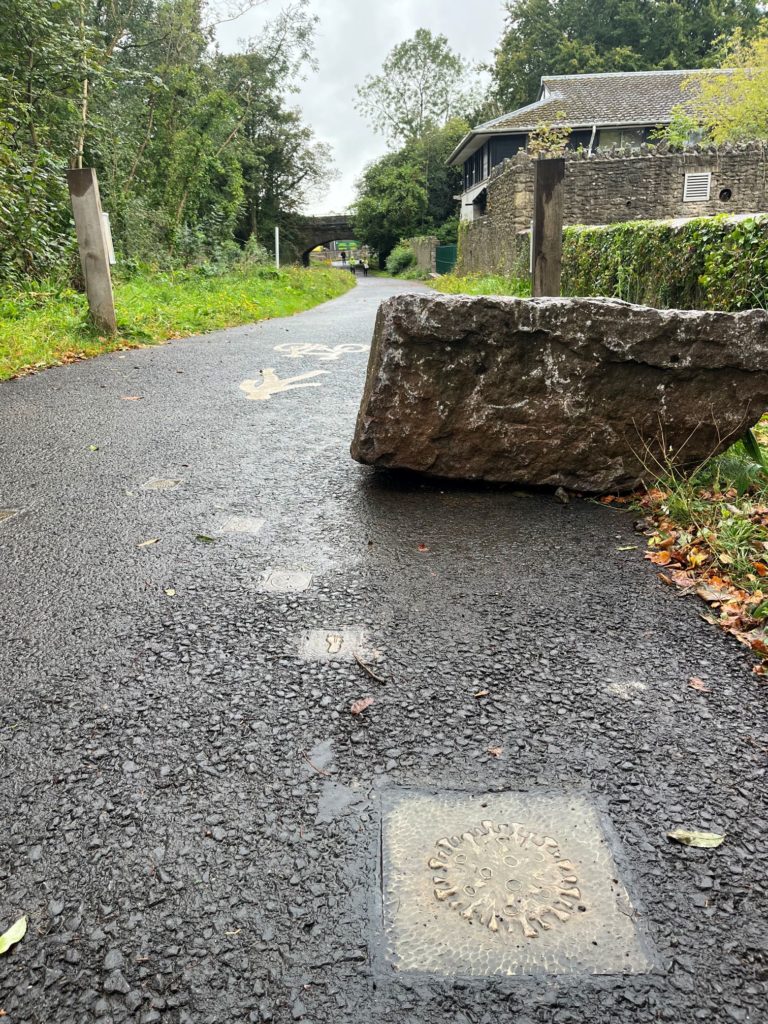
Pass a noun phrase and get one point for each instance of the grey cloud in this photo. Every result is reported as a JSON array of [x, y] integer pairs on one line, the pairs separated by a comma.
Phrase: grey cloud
[[353, 39]]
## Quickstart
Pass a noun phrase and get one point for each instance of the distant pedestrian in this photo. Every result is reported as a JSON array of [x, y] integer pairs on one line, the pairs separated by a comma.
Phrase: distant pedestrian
[[343, 255], [365, 268], [353, 265]]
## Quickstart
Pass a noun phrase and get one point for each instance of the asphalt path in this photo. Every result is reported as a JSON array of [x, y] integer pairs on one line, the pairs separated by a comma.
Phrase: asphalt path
[[190, 813]]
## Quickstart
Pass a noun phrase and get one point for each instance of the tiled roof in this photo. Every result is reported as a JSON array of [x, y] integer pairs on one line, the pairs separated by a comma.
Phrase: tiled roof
[[608, 100], [632, 97]]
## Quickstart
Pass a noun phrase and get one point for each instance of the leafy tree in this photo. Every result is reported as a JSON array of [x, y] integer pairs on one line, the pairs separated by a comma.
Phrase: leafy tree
[[410, 192], [557, 37], [392, 204], [734, 107], [420, 87], [681, 130], [193, 148]]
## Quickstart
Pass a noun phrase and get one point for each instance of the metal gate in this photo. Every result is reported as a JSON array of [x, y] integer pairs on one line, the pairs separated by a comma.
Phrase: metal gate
[[445, 258]]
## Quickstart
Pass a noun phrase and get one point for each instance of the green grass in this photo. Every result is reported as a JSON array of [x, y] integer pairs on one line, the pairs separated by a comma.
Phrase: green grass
[[482, 284], [45, 325]]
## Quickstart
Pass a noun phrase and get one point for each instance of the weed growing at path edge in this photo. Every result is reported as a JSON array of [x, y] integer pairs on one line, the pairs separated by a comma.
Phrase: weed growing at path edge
[[481, 284], [708, 533], [45, 325]]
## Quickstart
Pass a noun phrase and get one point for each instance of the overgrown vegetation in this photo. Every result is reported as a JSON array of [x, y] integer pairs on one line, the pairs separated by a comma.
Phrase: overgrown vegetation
[[195, 149], [708, 533], [482, 284], [43, 325], [707, 263], [733, 107]]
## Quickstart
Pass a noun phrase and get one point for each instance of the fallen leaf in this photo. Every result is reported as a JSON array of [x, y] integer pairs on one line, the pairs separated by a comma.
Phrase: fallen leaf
[[359, 706], [712, 594], [132, 398], [760, 568], [629, 547], [93, 447], [659, 557], [147, 543], [205, 539], [482, 693], [494, 751], [14, 934], [705, 840], [698, 684], [171, 592], [423, 547], [681, 579], [697, 557]]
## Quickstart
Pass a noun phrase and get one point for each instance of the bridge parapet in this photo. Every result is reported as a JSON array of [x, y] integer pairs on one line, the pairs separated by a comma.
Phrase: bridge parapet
[[316, 231]]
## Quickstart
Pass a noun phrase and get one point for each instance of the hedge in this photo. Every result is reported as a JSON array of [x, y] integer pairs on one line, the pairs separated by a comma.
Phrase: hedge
[[706, 263]]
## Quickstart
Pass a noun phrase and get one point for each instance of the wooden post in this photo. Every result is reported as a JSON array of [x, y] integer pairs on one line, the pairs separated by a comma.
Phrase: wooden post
[[547, 226], [94, 252]]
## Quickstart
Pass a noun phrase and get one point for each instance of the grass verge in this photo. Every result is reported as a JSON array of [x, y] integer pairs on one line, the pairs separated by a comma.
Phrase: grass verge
[[46, 326], [481, 284], [708, 533]]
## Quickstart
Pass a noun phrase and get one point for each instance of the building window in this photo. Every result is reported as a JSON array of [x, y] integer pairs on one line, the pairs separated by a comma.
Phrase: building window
[[697, 186], [618, 137]]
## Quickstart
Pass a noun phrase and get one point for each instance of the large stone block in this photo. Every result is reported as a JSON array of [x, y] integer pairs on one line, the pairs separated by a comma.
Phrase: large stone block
[[594, 395]]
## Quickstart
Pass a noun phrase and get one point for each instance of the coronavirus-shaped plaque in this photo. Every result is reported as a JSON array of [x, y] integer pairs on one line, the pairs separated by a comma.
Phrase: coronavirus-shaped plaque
[[506, 878]]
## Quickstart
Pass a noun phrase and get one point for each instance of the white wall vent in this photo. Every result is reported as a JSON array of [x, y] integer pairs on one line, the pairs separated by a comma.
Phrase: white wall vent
[[697, 186]]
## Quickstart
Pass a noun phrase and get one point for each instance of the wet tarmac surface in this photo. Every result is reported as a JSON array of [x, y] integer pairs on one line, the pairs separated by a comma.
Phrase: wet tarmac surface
[[190, 812]]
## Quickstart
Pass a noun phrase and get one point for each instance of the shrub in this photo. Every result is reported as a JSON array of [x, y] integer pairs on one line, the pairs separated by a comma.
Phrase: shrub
[[707, 263], [448, 232], [401, 257], [254, 254], [414, 273]]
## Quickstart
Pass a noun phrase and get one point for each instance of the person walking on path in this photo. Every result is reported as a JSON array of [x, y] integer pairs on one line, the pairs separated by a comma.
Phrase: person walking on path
[[353, 265], [365, 268]]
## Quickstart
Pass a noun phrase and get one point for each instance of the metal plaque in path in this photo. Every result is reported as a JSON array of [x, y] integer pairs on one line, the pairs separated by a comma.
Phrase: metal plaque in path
[[503, 884]]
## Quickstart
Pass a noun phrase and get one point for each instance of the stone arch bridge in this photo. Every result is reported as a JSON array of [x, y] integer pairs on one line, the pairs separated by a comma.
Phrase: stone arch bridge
[[314, 231]]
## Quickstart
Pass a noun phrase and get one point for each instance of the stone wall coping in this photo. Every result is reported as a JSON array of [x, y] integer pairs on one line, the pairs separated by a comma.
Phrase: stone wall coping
[[661, 150]]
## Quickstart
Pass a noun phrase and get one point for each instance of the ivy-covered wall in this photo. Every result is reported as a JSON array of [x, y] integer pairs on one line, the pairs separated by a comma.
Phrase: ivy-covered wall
[[707, 263]]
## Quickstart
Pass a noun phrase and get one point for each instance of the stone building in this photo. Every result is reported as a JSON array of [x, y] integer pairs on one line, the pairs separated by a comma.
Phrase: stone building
[[605, 187], [600, 112]]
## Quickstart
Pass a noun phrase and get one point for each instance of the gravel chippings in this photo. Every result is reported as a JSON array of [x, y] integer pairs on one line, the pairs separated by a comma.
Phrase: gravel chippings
[[189, 809]]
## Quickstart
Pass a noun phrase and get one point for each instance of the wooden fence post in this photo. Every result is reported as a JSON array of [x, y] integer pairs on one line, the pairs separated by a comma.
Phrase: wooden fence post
[[547, 239], [94, 250]]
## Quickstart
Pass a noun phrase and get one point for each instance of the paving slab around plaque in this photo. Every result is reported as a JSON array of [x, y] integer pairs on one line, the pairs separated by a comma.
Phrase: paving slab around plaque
[[242, 525], [335, 645], [160, 483], [503, 884], [285, 581]]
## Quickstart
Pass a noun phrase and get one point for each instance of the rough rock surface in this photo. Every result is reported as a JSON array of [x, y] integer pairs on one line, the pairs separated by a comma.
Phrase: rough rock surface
[[589, 394]]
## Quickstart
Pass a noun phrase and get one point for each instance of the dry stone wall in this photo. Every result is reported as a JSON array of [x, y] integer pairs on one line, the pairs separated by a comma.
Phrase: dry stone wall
[[606, 188]]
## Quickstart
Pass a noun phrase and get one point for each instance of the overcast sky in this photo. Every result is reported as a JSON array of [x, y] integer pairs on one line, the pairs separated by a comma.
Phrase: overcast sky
[[353, 38]]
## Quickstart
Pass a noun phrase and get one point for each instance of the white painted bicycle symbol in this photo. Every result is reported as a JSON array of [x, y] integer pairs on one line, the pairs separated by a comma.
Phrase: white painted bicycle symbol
[[325, 353]]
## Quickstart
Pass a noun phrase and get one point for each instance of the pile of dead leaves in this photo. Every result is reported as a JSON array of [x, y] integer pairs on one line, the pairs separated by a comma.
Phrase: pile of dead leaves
[[691, 560]]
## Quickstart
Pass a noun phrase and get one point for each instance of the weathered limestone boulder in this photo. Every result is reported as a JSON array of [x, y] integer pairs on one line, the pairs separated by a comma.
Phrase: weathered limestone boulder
[[589, 394]]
